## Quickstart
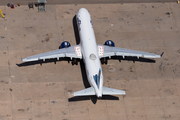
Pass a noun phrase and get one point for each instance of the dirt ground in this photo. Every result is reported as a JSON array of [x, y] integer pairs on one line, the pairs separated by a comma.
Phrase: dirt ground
[[34, 91]]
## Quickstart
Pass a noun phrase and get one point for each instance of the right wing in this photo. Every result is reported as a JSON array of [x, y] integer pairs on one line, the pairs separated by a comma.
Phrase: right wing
[[106, 51], [72, 52]]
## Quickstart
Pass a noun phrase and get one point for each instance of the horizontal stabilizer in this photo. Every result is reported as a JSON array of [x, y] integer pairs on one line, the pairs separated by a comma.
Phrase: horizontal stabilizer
[[106, 91], [111, 91], [85, 92]]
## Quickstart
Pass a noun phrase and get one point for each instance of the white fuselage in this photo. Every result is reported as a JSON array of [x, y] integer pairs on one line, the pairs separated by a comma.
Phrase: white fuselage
[[89, 49]]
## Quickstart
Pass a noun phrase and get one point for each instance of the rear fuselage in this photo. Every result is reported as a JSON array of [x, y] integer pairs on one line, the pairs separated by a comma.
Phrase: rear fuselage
[[89, 51]]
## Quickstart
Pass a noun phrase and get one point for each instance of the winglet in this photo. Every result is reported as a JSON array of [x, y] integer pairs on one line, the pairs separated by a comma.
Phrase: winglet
[[162, 54]]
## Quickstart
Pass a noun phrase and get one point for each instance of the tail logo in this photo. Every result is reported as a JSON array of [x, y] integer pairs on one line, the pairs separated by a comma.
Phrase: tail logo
[[97, 78]]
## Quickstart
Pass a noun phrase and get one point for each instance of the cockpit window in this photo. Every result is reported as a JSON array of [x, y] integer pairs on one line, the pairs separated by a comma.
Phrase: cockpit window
[[92, 56]]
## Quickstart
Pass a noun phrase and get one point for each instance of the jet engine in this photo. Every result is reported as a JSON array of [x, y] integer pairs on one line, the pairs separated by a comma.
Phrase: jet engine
[[109, 43], [64, 44]]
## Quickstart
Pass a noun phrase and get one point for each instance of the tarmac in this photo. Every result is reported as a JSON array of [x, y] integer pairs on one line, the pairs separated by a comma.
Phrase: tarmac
[[55, 2], [43, 90]]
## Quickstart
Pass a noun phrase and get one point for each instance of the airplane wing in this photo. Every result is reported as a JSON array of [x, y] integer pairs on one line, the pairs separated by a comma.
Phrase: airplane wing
[[106, 51], [72, 52]]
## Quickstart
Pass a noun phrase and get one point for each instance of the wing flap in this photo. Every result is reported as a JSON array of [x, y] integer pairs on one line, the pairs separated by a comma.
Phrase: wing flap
[[111, 91], [85, 92]]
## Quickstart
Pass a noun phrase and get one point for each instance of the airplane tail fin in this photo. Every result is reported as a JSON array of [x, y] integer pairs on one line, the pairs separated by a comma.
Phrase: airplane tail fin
[[106, 91]]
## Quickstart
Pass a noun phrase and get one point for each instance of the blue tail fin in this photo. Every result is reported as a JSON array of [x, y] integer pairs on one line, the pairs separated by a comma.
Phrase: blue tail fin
[[97, 78]]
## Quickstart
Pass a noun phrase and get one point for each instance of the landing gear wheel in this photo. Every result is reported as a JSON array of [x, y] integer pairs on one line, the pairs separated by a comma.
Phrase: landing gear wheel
[[74, 62]]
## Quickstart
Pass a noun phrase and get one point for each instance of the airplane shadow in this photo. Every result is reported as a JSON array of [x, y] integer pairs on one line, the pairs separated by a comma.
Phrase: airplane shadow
[[76, 31], [134, 59], [93, 98], [83, 70]]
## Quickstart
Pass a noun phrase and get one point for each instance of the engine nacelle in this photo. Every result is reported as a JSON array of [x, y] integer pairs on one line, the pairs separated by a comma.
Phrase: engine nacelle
[[64, 44], [109, 43]]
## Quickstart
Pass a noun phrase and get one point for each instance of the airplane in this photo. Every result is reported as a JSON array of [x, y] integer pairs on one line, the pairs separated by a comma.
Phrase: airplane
[[91, 53]]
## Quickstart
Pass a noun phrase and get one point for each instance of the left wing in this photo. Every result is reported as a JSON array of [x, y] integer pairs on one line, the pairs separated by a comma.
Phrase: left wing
[[72, 52], [106, 51]]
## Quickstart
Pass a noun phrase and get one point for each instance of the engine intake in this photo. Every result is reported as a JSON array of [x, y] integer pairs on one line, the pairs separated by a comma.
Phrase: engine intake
[[109, 43], [64, 44]]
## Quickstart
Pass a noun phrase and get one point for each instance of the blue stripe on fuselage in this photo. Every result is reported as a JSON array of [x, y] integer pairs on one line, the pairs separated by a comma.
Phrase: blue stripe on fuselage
[[97, 78]]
